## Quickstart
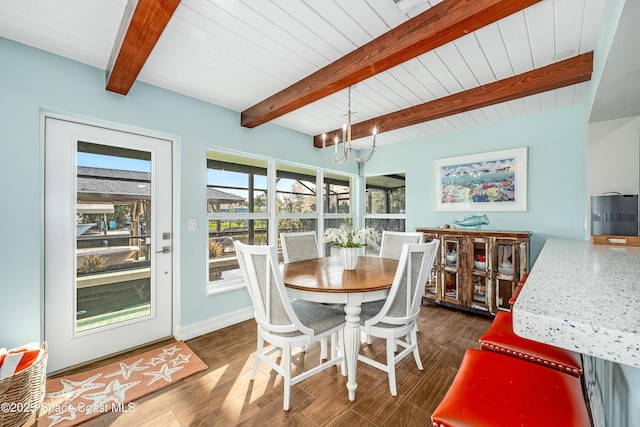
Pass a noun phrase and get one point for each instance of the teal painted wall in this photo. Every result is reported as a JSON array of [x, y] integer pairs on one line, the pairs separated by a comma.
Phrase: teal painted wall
[[32, 81], [557, 173]]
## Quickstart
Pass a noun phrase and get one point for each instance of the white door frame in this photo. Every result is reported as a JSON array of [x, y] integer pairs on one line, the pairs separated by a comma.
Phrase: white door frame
[[175, 314]]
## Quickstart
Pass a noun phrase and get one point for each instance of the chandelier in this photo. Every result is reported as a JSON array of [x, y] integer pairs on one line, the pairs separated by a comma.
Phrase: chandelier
[[340, 156]]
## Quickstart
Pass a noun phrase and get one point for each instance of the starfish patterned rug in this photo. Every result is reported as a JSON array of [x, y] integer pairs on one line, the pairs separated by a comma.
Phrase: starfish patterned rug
[[73, 399]]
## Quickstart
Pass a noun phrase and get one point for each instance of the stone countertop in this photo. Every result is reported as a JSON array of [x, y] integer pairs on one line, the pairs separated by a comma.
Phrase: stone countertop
[[583, 297]]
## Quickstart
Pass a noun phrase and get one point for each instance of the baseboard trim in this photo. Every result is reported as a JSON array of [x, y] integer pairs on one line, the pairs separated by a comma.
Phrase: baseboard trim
[[213, 324]]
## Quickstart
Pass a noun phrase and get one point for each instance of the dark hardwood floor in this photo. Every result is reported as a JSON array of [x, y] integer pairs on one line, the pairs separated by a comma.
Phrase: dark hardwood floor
[[223, 394]]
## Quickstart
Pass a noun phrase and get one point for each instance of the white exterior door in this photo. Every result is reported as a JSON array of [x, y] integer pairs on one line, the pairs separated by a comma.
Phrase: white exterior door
[[108, 240]]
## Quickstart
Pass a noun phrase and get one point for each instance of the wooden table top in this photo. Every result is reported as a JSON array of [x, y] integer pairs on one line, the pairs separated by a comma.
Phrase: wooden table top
[[327, 275]]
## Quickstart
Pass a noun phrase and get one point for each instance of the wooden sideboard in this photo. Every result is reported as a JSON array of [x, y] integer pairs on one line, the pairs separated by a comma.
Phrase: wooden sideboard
[[476, 270]]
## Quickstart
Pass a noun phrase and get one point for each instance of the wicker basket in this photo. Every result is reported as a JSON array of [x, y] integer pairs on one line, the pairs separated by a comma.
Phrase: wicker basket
[[21, 395]]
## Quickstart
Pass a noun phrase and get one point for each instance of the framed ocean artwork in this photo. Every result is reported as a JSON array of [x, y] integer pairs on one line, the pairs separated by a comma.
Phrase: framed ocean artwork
[[484, 182]]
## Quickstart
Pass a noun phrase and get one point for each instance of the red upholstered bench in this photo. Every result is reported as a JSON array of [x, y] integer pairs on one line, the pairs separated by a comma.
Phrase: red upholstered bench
[[494, 390], [501, 338]]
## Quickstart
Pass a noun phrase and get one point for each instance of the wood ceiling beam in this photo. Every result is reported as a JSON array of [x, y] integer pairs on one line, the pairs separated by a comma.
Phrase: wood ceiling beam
[[433, 28], [142, 24], [564, 73]]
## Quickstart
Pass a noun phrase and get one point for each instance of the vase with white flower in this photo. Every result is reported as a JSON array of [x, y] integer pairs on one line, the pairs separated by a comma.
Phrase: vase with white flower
[[349, 240]]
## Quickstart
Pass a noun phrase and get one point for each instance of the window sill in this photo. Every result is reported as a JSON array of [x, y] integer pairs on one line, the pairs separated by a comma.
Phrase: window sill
[[228, 286]]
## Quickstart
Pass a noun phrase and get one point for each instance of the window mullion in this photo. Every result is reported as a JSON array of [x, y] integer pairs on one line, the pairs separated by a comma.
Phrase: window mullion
[[271, 202], [360, 193], [320, 201]]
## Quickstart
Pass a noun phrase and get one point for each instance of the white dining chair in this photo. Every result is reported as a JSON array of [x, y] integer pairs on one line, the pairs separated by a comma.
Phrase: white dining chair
[[391, 247], [392, 241], [396, 320], [285, 323], [299, 246]]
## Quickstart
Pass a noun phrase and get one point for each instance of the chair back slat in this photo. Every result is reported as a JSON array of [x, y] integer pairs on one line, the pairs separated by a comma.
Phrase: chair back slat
[[392, 242], [299, 246]]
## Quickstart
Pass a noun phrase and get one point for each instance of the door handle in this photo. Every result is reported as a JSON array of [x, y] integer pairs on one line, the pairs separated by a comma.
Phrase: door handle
[[165, 250]]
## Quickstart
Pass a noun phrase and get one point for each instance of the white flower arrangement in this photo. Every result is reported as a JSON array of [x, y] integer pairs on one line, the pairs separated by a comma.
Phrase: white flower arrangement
[[347, 237]]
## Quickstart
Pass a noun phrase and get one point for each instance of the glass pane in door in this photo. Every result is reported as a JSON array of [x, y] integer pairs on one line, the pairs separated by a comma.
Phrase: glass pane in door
[[113, 235]]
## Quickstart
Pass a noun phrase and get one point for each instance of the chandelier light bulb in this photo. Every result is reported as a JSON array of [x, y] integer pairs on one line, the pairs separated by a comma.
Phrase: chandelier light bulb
[[347, 148]]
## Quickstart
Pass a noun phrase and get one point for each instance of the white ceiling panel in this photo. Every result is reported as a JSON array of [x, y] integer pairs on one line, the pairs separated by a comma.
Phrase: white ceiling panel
[[569, 19], [479, 117], [474, 57], [548, 100], [70, 28], [491, 114], [456, 122], [367, 17], [541, 33], [429, 88], [467, 119], [594, 10], [516, 39], [504, 111], [385, 96], [406, 84], [236, 53], [441, 73], [286, 16], [317, 25], [420, 6], [566, 96], [276, 40], [532, 104], [388, 12], [492, 44], [456, 65], [335, 19]]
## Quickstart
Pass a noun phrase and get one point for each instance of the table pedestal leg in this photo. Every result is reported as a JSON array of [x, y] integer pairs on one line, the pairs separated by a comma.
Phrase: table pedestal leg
[[352, 346]]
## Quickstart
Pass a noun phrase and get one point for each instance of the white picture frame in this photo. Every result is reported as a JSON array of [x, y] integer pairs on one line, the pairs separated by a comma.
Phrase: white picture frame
[[483, 182]]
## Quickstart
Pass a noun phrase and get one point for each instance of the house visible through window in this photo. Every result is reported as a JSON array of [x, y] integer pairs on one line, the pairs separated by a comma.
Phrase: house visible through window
[[237, 204], [253, 200]]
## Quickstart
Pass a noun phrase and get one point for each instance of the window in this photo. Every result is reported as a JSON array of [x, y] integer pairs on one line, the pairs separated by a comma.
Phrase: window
[[296, 191], [237, 204], [296, 199], [337, 194], [236, 184], [253, 200], [337, 205], [385, 204], [385, 194]]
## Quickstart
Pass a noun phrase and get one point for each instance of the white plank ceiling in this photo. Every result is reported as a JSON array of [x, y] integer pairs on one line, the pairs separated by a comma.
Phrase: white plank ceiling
[[236, 53]]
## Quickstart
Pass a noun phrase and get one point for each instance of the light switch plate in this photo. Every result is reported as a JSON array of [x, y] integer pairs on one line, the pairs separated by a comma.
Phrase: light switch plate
[[192, 224]]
